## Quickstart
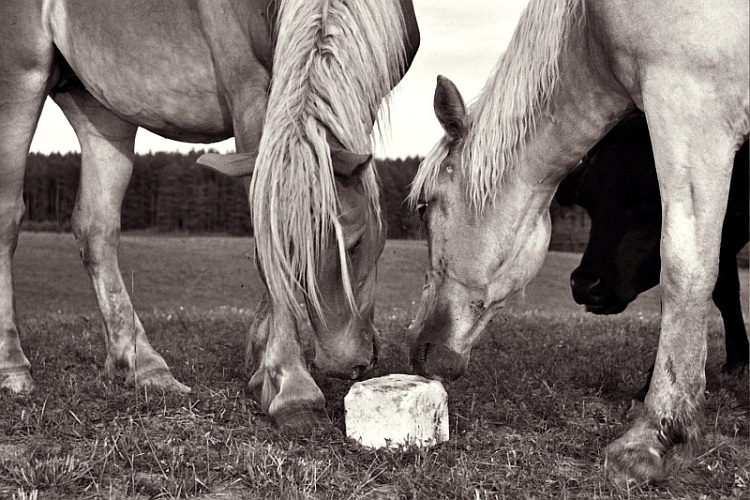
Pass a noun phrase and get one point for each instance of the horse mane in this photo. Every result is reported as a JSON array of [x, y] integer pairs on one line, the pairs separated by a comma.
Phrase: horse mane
[[505, 110], [334, 62]]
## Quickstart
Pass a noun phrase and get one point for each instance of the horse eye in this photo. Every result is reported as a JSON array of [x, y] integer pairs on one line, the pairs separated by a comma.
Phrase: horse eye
[[422, 208]]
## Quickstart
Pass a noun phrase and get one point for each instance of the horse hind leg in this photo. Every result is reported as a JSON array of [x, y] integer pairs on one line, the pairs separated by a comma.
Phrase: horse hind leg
[[21, 102], [106, 166]]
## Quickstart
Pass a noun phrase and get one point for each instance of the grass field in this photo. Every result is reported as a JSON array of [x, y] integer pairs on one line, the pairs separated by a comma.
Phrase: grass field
[[548, 388]]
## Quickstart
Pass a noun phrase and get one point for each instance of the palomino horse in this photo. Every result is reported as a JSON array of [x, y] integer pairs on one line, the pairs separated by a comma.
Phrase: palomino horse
[[298, 83], [573, 70], [616, 183]]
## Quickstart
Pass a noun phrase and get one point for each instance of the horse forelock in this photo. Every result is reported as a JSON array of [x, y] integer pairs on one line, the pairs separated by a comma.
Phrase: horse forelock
[[334, 62], [426, 178], [504, 112]]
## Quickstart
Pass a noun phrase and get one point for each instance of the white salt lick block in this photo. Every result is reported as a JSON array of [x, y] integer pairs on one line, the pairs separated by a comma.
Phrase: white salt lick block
[[397, 410]]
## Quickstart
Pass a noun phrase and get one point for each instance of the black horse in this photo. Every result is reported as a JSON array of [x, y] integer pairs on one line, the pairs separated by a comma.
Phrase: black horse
[[616, 183]]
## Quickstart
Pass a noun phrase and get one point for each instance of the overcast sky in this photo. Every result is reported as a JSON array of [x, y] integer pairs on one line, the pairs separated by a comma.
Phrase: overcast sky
[[460, 39]]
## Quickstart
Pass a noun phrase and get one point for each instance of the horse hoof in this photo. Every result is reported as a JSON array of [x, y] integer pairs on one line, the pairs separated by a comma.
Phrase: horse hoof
[[637, 458], [16, 381], [302, 420], [160, 379]]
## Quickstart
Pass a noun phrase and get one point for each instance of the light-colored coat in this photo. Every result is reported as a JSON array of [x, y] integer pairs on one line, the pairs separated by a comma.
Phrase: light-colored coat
[[572, 71], [296, 82]]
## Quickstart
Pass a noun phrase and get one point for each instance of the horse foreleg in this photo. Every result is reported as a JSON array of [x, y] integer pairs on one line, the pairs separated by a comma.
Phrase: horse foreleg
[[694, 168], [281, 383], [279, 379], [106, 166]]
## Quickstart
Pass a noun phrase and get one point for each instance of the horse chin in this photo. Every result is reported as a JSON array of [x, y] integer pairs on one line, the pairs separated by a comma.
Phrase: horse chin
[[607, 309], [436, 360], [356, 372]]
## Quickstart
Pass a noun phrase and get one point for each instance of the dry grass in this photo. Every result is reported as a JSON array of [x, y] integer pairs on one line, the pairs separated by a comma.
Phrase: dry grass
[[547, 390]]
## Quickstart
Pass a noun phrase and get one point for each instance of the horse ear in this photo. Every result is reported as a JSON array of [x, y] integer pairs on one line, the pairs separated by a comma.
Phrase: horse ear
[[233, 165], [450, 109], [348, 164]]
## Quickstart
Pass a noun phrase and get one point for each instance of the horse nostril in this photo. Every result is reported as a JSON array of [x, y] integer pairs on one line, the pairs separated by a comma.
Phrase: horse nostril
[[423, 352], [419, 357], [597, 290], [586, 284]]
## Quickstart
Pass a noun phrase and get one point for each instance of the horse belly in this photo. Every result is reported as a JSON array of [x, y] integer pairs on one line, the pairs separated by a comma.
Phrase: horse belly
[[147, 62]]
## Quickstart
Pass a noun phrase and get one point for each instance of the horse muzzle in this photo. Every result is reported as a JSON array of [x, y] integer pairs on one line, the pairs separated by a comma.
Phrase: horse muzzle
[[349, 358], [438, 361]]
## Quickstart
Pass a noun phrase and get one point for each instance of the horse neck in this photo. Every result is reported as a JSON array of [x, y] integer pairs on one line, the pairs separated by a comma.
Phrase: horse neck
[[585, 104]]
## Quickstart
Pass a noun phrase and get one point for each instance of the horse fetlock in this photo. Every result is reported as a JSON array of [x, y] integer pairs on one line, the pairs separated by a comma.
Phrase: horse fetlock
[[255, 352], [253, 357], [121, 359], [142, 366], [256, 338], [17, 380], [255, 387], [116, 366], [651, 449]]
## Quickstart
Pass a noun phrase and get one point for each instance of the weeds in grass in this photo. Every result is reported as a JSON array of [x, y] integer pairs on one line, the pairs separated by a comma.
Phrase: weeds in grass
[[66, 473], [286, 473]]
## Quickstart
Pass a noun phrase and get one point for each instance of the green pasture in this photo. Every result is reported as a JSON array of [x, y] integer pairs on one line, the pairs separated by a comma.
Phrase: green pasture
[[548, 388]]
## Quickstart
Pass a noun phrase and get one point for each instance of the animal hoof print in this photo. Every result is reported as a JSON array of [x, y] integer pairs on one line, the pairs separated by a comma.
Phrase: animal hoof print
[[16, 381]]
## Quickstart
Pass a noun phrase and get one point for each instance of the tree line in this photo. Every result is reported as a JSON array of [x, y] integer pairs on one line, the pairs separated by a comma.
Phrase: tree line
[[169, 192]]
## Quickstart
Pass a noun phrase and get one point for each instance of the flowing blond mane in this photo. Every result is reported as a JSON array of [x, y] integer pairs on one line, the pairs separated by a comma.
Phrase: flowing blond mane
[[504, 112], [334, 62]]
